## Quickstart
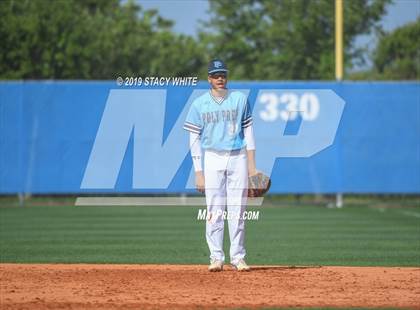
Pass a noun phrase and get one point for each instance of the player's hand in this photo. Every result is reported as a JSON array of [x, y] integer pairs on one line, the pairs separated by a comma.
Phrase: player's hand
[[252, 171], [199, 181]]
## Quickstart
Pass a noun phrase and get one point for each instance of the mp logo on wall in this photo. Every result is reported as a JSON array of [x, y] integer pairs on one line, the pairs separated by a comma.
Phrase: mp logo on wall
[[293, 123]]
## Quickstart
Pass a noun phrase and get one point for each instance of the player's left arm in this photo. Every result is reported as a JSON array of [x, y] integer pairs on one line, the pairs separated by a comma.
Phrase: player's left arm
[[250, 149], [249, 139]]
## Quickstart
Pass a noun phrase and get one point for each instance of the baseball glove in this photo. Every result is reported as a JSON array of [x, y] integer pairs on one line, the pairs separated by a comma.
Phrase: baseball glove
[[258, 185]]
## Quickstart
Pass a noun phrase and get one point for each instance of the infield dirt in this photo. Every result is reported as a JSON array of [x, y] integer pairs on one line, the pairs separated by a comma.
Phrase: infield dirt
[[82, 286]]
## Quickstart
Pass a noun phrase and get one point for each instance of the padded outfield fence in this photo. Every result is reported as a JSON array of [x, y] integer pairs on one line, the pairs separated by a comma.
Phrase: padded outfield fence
[[312, 137]]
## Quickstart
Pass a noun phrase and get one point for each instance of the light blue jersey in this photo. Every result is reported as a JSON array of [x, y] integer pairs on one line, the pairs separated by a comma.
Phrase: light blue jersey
[[220, 124]]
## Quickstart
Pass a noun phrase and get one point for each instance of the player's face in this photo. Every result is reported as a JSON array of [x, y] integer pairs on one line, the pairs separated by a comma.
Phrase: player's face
[[218, 80]]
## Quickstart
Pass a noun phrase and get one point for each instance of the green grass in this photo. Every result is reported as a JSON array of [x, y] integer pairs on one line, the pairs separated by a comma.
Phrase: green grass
[[299, 235]]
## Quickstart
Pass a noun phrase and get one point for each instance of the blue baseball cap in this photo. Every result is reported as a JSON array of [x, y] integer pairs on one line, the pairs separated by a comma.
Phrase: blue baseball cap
[[217, 65]]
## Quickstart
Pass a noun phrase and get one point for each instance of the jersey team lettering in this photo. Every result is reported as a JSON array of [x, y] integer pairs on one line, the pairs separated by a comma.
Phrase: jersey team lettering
[[157, 81], [216, 116]]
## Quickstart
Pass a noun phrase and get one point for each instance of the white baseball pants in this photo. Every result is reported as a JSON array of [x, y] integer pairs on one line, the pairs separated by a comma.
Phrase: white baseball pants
[[226, 182]]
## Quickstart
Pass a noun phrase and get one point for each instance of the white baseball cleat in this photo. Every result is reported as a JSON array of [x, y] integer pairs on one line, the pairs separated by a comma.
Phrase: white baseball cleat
[[216, 265], [241, 266]]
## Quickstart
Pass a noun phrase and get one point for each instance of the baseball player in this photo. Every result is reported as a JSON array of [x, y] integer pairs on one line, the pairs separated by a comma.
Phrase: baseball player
[[220, 123]]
